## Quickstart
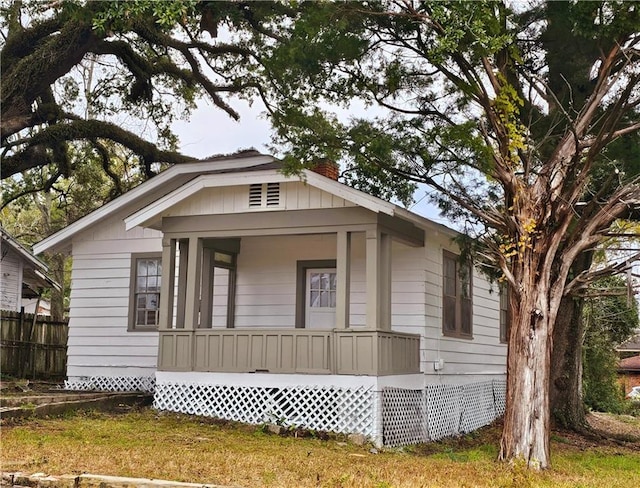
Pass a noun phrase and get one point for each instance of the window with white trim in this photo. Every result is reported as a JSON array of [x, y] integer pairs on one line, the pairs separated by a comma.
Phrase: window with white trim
[[456, 297], [146, 277]]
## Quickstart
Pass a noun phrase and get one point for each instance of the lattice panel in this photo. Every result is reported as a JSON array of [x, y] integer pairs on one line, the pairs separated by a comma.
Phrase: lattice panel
[[403, 417], [500, 396], [112, 383], [444, 410], [479, 407], [342, 410]]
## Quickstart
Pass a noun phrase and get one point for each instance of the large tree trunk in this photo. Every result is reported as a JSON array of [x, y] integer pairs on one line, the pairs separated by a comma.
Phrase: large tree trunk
[[57, 263], [567, 406], [526, 421]]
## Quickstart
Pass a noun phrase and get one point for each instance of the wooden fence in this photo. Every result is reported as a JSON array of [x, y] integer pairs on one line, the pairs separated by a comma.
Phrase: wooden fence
[[32, 346]]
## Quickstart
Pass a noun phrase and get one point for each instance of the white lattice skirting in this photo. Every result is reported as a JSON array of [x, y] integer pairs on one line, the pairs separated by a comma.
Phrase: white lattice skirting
[[112, 383], [392, 416], [333, 409], [413, 416]]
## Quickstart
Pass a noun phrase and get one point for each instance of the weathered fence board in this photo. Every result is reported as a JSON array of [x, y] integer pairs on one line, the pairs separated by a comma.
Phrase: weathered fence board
[[33, 347]]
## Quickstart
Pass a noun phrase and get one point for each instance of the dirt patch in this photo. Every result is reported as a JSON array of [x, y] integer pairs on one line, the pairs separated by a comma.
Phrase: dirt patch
[[621, 426]]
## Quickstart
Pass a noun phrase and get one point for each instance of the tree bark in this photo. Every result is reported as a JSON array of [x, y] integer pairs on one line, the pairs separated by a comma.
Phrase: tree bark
[[567, 407], [526, 422]]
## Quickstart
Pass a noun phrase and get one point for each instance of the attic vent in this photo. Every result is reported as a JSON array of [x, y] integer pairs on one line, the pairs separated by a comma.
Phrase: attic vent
[[264, 195], [273, 194], [255, 195]]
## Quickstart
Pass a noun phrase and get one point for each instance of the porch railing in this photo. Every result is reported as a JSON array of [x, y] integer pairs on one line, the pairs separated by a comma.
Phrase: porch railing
[[280, 350]]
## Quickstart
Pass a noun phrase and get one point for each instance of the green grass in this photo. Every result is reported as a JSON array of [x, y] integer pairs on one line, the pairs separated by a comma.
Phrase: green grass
[[182, 448]]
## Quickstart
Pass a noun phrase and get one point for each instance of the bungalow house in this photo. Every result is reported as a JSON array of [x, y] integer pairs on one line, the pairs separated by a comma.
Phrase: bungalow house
[[23, 276], [232, 290]]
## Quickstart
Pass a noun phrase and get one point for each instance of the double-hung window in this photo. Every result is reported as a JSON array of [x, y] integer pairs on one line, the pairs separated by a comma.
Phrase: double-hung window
[[456, 297], [146, 274]]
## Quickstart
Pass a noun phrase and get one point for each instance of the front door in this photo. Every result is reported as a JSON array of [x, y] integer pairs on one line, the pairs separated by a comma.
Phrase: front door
[[321, 298]]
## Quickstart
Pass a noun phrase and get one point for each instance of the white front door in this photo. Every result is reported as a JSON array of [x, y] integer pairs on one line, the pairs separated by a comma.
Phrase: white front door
[[321, 298]]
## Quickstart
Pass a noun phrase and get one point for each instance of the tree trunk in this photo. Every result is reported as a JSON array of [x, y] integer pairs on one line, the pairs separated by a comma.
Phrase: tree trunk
[[567, 406], [526, 421], [57, 297]]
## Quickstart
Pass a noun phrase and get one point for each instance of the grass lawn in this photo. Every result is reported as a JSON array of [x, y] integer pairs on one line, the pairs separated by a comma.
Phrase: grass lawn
[[182, 448]]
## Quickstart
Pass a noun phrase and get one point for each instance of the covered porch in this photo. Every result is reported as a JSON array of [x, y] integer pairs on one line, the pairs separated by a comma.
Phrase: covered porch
[[327, 312]]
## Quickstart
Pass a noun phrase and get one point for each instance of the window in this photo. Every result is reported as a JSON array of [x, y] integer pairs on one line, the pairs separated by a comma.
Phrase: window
[[456, 297], [146, 275], [322, 289], [504, 313]]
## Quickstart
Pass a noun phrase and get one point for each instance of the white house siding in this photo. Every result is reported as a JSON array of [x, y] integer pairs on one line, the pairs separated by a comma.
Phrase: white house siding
[[465, 360], [11, 281], [99, 343]]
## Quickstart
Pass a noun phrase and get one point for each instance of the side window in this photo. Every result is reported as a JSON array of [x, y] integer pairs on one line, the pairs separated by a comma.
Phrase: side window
[[456, 297], [146, 275]]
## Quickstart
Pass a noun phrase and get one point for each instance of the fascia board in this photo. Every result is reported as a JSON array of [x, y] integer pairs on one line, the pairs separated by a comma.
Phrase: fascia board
[[24, 254], [361, 199], [132, 195], [425, 223], [154, 209]]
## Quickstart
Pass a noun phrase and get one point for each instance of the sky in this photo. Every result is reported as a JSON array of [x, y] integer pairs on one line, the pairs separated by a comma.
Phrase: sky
[[211, 131]]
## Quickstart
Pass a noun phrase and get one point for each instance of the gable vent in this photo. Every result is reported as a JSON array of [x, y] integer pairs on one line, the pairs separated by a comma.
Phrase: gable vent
[[264, 195], [255, 195], [273, 194]]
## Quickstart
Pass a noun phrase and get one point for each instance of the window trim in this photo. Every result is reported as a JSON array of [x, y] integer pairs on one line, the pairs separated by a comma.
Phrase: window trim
[[505, 325], [301, 285], [133, 276], [457, 333]]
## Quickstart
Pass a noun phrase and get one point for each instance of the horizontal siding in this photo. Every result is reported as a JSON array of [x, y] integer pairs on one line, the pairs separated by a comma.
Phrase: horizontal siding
[[99, 343], [266, 294], [10, 281], [483, 354]]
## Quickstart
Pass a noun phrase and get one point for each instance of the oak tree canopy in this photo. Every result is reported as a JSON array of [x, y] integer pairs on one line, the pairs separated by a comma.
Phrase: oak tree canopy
[[115, 75]]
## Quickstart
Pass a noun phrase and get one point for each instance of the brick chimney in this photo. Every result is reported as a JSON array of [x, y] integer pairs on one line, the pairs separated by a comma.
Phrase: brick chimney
[[326, 167]]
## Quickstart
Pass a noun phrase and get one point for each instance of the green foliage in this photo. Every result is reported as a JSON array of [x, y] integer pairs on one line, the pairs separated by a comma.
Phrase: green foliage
[[609, 321], [119, 71]]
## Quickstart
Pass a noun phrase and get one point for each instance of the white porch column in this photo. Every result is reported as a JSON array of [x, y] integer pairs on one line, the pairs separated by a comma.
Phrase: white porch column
[[343, 265], [167, 285], [378, 276], [194, 269]]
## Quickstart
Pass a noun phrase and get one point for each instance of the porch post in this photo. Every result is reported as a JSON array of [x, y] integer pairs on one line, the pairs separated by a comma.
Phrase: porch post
[[194, 269], [167, 283], [343, 285], [378, 276]]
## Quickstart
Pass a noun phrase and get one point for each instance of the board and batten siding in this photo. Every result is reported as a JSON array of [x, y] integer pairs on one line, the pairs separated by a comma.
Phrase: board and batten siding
[[11, 281], [294, 195], [465, 360], [99, 342]]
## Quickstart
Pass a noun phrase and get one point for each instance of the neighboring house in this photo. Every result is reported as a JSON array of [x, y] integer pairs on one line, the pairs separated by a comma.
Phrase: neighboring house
[[24, 276], [30, 304], [629, 373], [630, 347], [235, 291]]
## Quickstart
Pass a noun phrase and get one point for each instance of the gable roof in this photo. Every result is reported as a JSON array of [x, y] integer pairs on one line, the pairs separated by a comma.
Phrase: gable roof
[[183, 180], [630, 345], [167, 180], [35, 271]]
